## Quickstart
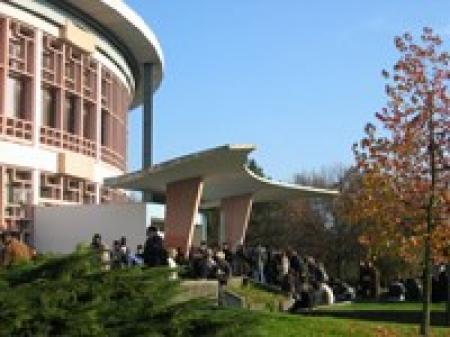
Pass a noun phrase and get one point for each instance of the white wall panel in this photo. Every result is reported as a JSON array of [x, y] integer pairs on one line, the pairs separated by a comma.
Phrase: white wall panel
[[59, 229], [28, 156]]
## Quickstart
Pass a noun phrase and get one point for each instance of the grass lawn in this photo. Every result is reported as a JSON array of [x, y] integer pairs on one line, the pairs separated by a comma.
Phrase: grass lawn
[[256, 297], [379, 306], [361, 319], [288, 325]]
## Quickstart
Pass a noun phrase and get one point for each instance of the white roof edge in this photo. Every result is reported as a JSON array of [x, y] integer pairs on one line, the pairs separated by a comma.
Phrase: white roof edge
[[133, 18], [131, 32], [285, 185], [241, 151], [181, 160]]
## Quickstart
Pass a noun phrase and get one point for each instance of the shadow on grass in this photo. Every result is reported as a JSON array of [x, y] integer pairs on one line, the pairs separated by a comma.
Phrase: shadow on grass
[[438, 319]]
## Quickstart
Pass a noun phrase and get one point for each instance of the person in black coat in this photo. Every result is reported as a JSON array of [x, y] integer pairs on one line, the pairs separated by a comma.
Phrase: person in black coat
[[154, 252]]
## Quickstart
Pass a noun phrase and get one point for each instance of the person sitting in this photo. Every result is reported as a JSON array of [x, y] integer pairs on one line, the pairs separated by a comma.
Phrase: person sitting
[[396, 291], [304, 299], [413, 290], [15, 251], [323, 294], [180, 257], [342, 291], [209, 263], [140, 252], [171, 262], [136, 259], [222, 269]]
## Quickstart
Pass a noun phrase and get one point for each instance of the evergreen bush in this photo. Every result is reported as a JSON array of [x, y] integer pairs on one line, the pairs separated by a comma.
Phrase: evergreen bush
[[71, 296]]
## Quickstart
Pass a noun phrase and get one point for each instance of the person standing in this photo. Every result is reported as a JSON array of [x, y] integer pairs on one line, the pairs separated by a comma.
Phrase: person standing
[[126, 253], [116, 256], [154, 252], [228, 253], [102, 251]]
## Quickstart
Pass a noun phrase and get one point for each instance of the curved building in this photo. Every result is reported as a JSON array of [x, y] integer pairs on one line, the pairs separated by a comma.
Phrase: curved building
[[69, 72]]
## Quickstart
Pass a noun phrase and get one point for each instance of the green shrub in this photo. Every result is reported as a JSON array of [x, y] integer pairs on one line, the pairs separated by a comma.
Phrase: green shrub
[[71, 296]]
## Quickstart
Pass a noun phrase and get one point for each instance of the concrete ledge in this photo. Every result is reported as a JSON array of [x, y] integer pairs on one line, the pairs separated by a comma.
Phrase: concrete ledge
[[207, 289], [230, 299]]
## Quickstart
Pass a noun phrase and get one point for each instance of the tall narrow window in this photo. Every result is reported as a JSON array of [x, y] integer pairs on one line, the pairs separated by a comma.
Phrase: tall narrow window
[[9, 187], [14, 97], [88, 121], [105, 129], [49, 107], [69, 114]]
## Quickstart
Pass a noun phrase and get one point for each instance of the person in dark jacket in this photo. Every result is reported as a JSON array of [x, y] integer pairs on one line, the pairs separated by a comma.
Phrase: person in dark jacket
[[154, 252], [228, 253]]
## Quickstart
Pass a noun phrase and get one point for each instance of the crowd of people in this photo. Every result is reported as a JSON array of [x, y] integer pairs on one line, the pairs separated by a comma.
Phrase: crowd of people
[[302, 278]]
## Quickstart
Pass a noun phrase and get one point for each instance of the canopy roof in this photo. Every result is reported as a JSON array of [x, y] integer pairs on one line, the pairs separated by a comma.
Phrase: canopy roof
[[224, 173]]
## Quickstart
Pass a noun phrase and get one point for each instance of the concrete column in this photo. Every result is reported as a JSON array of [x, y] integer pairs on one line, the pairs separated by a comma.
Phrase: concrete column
[[2, 197], [37, 89], [98, 114], [147, 118], [147, 123], [97, 193], [182, 201], [235, 216], [35, 179]]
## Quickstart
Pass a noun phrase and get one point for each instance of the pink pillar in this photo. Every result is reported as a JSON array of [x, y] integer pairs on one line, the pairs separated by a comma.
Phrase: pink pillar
[[2, 198], [182, 201], [236, 214]]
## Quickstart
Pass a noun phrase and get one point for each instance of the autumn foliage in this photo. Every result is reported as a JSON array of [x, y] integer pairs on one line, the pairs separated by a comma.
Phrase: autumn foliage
[[404, 171]]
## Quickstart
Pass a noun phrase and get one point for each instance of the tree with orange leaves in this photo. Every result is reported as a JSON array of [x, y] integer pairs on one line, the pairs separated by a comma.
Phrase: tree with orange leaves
[[405, 172]]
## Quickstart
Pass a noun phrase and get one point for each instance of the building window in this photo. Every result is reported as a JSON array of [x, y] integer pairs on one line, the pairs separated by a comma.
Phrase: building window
[[14, 97], [88, 121], [105, 129], [9, 187], [70, 114], [49, 107]]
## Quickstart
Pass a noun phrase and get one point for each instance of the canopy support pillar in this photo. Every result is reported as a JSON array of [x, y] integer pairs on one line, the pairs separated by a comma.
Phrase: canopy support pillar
[[182, 202], [235, 216]]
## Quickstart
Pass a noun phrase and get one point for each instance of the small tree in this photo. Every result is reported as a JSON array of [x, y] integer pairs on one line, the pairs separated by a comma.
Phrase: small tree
[[406, 171]]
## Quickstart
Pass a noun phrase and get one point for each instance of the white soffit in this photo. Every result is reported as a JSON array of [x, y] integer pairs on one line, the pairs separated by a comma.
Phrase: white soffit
[[224, 172]]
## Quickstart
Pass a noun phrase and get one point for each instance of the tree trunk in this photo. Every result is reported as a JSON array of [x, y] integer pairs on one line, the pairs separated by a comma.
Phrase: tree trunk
[[448, 293], [426, 313]]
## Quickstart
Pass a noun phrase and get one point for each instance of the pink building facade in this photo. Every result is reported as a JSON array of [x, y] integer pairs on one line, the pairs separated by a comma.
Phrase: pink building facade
[[69, 73]]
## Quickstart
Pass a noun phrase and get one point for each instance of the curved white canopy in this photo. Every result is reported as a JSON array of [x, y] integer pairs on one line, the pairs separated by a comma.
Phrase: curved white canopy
[[224, 173]]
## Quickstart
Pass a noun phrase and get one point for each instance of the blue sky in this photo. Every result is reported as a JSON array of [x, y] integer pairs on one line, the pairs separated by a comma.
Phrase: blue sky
[[297, 78]]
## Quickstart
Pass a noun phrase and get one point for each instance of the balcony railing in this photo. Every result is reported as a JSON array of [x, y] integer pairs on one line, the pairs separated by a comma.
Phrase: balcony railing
[[113, 158], [16, 127], [62, 139]]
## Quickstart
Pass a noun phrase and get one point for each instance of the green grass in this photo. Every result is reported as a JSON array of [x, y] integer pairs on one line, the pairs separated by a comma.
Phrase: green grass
[[289, 325], [258, 298], [385, 323], [379, 306]]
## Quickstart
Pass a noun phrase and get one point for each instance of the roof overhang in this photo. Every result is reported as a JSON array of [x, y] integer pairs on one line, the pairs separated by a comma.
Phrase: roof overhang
[[128, 31], [224, 173]]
